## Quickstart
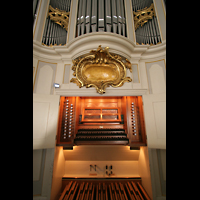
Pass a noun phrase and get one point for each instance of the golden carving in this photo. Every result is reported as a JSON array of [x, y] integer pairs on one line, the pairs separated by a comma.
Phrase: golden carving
[[100, 69], [60, 17], [142, 16]]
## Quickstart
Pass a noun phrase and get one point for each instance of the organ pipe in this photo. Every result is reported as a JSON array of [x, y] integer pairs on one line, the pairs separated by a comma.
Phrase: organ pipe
[[119, 16], [108, 16], [114, 16], [88, 16], [54, 34], [147, 33], [123, 17], [94, 13], [101, 16], [83, 17]]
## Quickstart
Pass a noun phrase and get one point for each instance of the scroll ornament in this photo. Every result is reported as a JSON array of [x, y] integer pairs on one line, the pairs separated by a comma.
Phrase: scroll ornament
[[60, 17], [100, 69], [142, 16]]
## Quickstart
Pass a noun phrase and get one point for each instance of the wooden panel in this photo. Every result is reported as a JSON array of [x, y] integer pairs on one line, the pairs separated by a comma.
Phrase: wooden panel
[[100, 126], [136, 130], [99, 103], [66, 128], [101, 114], [132, 119], [62, 99], [141, 116]]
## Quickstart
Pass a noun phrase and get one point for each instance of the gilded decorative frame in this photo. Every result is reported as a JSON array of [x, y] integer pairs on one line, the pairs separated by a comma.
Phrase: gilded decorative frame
[[100, 69]]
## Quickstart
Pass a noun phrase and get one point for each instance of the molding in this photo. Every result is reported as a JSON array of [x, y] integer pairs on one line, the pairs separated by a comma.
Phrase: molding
[[92, 92], [82, 44]]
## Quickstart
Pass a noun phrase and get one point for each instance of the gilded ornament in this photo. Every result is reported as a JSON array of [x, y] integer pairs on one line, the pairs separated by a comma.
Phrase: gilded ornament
[[100, 69], [142, 16], [60, 17]]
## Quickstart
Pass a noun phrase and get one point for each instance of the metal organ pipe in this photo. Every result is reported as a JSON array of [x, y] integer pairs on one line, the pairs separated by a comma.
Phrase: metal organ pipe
[[53, 33], [79, 19], [157, 29], [123, 20], [114, 16], [119, 16], [108, 16], [94, 15], [83, 17], [149, 33], [88, 16], [101, 16]]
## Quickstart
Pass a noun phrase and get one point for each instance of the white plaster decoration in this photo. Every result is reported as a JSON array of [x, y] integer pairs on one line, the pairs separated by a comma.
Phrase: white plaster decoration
[[83, 44]]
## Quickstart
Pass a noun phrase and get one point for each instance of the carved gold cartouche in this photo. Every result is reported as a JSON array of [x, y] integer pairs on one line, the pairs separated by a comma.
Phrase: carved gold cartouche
[[100, 69]]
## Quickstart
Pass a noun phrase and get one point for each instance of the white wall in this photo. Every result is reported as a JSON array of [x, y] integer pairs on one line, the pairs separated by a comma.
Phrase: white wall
[[157, 160], [119, 169], [42, 186], [156, 75], [144, 170], [58, 172], [123, 160]]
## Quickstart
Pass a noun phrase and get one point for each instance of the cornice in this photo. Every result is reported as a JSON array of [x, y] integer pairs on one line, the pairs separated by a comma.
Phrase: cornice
[[91, 92], [84, 43]]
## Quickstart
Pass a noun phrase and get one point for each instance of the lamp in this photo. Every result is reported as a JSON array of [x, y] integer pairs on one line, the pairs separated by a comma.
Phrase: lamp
[[56, 85]]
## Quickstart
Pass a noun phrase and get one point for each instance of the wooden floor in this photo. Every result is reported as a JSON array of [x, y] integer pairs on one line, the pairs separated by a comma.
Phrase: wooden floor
[[103, 190]]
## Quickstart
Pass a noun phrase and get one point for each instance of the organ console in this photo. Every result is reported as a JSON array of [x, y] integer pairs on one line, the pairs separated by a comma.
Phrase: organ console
[[104, 120]]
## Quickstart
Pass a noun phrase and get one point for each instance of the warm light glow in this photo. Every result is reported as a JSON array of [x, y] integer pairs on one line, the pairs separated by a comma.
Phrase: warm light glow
[[68, 149], [134, 148]]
